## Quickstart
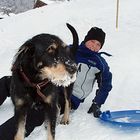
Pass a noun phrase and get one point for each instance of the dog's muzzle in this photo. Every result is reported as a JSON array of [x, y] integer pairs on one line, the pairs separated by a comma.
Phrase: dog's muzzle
[[60, 75]]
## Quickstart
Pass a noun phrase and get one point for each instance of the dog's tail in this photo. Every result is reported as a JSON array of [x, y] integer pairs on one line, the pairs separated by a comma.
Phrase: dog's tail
[[75, 37]]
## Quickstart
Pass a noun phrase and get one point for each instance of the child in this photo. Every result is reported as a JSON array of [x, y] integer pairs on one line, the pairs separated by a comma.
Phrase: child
[[91, 67]]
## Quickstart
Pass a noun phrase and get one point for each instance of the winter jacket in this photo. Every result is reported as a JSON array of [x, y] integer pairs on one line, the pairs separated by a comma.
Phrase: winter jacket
[[91, 67]]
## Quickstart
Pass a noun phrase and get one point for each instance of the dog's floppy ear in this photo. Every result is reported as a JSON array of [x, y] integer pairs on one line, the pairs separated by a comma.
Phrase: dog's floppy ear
[[75, 38], [26, 49], [28, 45]]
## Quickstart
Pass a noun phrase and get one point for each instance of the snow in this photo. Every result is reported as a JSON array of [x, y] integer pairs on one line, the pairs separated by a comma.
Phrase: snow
[[16, 6], [123, 44]]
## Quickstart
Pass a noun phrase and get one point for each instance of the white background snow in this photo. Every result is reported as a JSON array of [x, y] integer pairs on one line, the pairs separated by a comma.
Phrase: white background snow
[[123, 44]]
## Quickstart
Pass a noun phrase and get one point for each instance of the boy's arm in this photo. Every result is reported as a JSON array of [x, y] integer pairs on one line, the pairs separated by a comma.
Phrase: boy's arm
[[104, 80]]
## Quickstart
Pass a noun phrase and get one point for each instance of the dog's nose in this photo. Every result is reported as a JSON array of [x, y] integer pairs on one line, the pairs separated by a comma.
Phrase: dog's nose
[[71, 68]]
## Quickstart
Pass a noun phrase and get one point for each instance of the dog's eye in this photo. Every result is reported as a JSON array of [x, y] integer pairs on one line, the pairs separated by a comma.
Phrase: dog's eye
[[39, 65], [51, 48]]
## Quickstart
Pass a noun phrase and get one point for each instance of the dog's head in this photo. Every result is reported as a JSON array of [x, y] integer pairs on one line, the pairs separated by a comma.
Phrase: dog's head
[[46, 56], [53, 60]]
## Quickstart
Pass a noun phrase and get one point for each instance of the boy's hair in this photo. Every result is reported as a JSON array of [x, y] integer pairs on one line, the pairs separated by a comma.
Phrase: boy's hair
[[95, 33]]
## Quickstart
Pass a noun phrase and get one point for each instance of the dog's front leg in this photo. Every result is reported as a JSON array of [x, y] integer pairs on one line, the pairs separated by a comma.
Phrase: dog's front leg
[[51, 117], [51, 132], [65, 118], [67, 107], [20, 115]]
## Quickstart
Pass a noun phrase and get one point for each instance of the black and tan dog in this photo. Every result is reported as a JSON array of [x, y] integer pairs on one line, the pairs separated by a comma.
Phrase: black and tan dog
[[42, 64]]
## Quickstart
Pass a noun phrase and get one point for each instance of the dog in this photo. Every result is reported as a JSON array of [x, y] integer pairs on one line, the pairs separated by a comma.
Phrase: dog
[[41, 65]]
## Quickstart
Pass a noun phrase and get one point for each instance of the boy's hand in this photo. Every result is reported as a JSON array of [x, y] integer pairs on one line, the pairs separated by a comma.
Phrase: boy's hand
[[95, 109]]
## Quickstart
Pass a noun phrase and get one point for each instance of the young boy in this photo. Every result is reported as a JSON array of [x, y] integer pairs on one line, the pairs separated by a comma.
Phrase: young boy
[[91, 67]]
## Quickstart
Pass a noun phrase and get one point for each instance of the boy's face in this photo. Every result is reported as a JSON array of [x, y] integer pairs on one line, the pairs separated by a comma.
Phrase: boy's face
[[93, 45]]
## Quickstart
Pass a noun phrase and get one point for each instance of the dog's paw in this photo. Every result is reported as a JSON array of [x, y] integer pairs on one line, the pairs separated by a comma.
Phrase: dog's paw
[[64, 121]]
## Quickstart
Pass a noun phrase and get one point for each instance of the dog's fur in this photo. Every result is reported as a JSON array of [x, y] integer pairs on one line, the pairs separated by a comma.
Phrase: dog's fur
[[41, 65]]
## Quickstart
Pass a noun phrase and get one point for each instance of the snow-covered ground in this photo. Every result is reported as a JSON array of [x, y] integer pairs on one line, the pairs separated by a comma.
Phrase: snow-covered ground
[[123, 44]]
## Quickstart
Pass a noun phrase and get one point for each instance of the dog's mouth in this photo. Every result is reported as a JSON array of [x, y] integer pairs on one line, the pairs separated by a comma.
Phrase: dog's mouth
[[64, 81], [58, 75]]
